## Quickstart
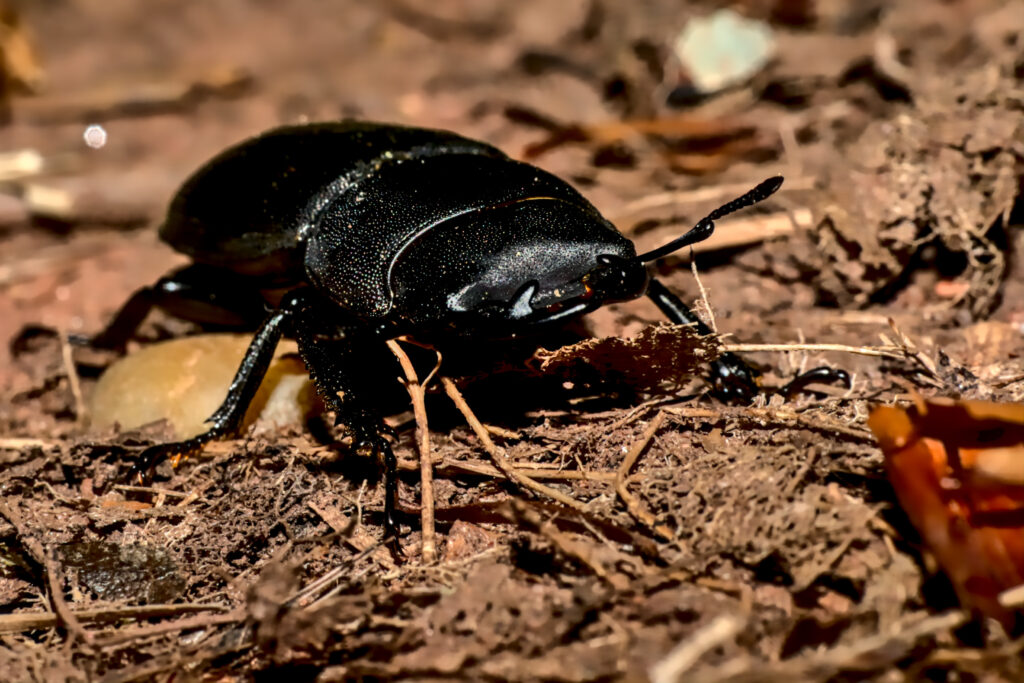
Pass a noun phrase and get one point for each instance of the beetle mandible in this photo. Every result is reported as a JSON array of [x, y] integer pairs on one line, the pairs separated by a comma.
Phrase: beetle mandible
[[353, 233]]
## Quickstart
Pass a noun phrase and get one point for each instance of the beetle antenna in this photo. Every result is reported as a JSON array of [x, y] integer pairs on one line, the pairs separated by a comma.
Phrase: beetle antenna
[[705, 226]]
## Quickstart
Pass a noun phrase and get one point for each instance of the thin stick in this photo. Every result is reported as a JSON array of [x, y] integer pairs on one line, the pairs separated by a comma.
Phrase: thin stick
[[762, 417], [877, 351], [686, 654], [72, 373], [704, 297], [632, 504], [16, 444], [1012, 597], [499, 459], [870, 652], [732, 233], [35, 549], [448, 467], [581, 552], [152, 489], [60, 605], [710, 195], [32, 621], [419, 410], [148, 631]]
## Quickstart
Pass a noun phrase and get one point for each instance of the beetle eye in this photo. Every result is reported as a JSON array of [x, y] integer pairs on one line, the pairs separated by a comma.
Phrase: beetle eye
[[616, 279]]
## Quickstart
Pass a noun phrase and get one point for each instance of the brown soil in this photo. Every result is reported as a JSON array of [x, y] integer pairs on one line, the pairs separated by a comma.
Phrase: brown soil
[[758, 543]]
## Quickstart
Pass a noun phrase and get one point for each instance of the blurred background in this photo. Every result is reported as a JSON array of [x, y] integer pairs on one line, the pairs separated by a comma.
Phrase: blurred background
[[863, 106]]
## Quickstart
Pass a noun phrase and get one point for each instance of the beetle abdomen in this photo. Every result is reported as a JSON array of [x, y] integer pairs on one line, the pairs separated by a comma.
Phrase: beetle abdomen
[[361, 233], [248, 207]]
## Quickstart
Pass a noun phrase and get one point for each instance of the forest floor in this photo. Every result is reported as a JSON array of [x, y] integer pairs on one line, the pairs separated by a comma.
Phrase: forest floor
[[646, 531]]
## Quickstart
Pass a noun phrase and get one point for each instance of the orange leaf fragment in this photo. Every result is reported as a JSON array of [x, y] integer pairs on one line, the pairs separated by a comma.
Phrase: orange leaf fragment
[[958, 471]]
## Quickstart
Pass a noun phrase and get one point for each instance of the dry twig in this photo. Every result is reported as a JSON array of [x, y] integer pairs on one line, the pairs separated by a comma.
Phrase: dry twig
[[416, 391], [499, 459], [632, 504], [38, 553], [189, 623], [888, 351], [685, 655], [732, 233], [704, 298], [865, 654], [580, 551], [72, 373], [457, 468], [32, 621]]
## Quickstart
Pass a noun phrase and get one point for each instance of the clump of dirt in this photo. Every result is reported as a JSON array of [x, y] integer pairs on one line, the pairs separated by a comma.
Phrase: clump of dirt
[[934, 186]]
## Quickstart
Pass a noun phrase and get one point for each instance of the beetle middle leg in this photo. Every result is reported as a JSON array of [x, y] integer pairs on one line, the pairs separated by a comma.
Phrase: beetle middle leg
[[228, 417], [332, 355]]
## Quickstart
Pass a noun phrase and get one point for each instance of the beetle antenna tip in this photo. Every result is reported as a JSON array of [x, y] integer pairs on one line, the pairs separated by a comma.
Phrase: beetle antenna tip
[[705, 226]]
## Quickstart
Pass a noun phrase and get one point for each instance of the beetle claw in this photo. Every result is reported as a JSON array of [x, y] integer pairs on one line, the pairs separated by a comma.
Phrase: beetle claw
[[822, 374], [372, 443]]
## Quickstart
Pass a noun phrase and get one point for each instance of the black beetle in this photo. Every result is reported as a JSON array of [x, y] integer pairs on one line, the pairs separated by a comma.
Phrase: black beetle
[[353, 233]]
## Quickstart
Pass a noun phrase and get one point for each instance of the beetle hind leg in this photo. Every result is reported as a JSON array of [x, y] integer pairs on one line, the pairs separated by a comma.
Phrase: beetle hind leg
[[213, 297]]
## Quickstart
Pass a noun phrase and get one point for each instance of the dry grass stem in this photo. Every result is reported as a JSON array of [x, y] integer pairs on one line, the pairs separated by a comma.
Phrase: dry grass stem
[[632, 504], [1013, 597], [153, 490], [867, 653], [31, 621], [45, 559], [17, 444], [498, 457], [150, 630], [72, 373], [580, 551], [456, 468], [60, 605], [686, 654], [887, 351], [416, 391], [704, 298], [710, 195], [732, 233]]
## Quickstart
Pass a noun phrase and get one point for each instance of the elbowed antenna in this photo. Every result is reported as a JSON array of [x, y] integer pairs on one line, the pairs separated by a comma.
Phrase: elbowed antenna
[[705, 226]]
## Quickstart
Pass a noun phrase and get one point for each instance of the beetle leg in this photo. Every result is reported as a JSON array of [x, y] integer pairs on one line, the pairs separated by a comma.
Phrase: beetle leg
[[202, 294], [822, 374], [330, 361], [119, 330], [228, 417], [732, 380]]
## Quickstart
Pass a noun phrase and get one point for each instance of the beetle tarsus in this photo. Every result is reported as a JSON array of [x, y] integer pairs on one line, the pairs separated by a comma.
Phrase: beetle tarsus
[[375, 444], [819, 375]]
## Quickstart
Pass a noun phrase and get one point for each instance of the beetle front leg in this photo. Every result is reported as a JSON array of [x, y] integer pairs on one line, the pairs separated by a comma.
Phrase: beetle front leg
[[330, 361], [732, 380]]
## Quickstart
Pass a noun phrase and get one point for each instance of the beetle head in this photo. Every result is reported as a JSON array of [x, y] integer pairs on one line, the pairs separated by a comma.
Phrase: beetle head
[[506, 268], [511, 267]]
